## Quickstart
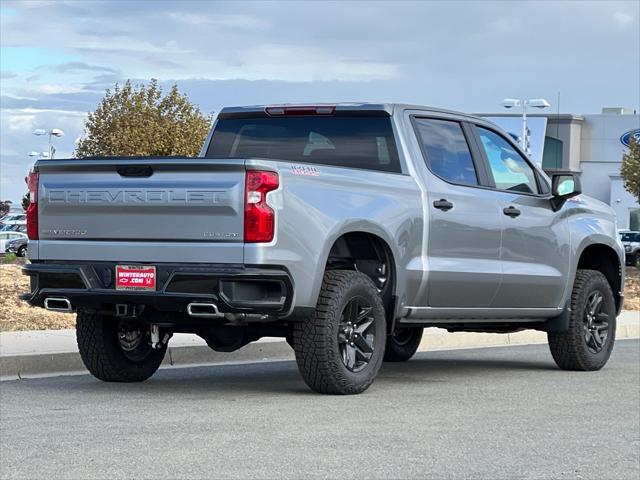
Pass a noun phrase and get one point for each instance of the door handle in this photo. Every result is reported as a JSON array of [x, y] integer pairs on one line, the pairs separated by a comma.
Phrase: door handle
[[443, 205], [512, 212]]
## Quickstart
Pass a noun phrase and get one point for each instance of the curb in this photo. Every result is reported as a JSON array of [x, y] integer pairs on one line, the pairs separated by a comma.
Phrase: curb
[[13, 367], [20, 366]]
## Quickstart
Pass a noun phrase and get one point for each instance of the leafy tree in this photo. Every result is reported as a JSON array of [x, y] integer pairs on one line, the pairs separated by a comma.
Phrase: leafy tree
[[140, 120], [5, 206], [25, 201], [630, 169]]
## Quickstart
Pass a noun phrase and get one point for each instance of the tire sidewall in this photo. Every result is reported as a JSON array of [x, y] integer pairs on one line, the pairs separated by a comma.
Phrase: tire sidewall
[[103, 356], [371, 295], [399, 352], [595, 283]]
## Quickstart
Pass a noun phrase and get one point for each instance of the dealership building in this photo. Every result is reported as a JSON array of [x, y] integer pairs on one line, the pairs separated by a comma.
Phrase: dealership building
[[591, 145]]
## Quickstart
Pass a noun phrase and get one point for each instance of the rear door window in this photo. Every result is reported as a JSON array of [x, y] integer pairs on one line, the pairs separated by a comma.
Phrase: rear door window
[[446, 150], [351, 141]]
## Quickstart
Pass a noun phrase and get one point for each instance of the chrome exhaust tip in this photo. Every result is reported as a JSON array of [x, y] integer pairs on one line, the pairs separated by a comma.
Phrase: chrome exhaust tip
[[206, 310], [58, 304]]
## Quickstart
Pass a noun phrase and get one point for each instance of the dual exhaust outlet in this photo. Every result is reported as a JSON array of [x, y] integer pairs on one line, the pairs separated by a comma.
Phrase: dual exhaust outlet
[[204, 310], [58, 304], [194, 309]]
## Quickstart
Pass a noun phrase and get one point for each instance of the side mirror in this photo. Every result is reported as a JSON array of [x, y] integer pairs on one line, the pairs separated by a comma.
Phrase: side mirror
[[563, 187]]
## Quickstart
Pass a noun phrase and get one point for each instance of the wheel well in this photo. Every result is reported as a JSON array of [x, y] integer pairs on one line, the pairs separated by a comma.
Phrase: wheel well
[[369, 254], [605, 260]]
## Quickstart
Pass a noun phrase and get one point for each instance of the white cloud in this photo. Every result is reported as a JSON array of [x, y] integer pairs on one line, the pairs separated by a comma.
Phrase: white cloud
[[17, 140], [230, 21], [273, 62], [18, 97], [53, 89], [286, 62], [22, 122], [623, 19]]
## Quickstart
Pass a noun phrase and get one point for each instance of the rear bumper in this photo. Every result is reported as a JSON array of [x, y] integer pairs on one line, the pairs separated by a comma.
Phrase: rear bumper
[[233, 288]]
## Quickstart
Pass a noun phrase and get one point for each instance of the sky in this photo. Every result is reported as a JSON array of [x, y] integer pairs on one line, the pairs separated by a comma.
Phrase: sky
[[58, 57]]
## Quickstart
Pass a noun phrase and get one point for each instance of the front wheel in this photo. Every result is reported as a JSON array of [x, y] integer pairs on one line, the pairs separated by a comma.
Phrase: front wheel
[[402, 344], [339, 349], [22, 252], [116, 351], [588, 342]]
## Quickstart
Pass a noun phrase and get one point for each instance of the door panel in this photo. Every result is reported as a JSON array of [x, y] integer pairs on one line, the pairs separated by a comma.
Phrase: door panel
[[535, 254], [464, 247], [535, 248], [464, 221]]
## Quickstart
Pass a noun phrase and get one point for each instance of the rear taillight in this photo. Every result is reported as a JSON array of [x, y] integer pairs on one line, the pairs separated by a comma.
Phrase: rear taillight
[[259, 218], [32, 209]]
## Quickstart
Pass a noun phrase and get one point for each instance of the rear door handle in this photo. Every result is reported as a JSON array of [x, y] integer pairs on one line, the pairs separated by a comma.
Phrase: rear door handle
[[443, 205], [512, 212]]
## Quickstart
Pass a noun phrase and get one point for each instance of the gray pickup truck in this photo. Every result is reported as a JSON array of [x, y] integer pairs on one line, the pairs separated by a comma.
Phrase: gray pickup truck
[[346, 229]]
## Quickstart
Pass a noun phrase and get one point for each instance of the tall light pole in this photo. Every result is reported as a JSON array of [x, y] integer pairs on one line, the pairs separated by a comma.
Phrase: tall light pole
[[524, 103], [54, 132]]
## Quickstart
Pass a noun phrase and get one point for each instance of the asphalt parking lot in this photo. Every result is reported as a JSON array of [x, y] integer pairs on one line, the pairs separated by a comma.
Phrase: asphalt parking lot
[[485, 413]]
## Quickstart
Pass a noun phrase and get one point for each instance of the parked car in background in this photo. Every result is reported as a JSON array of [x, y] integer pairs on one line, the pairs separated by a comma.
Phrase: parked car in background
[[14, 227], [5, 237], [17, 246], [631, 242], [12, 219]]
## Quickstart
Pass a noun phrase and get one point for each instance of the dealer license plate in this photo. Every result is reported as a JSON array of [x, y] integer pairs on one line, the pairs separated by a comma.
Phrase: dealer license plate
[[135, 277]]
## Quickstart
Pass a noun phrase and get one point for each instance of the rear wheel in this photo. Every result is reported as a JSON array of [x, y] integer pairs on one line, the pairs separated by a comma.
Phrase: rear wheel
[[340, 348], [116, 351], [402, 344], [588, 342], [22, 251]]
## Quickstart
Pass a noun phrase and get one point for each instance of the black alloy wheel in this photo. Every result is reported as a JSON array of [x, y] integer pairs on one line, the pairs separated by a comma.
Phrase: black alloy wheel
[[356, 335], [596, 322]]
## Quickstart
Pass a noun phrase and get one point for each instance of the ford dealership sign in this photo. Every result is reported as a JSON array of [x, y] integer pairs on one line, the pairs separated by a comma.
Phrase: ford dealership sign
[[626, 137]]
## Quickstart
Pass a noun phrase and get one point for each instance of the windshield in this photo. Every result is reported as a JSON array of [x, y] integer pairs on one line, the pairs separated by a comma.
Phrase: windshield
[[356, 142]]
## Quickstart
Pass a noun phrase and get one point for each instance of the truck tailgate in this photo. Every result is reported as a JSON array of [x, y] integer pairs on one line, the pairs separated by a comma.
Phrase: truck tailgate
[[143, 200]]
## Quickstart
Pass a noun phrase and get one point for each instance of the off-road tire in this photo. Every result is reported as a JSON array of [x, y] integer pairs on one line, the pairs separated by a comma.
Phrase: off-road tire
[[403, 344], [569, 349], [100, 350], [315, 339]]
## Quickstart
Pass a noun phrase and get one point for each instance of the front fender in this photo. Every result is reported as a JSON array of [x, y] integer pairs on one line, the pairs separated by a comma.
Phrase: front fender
[[592, 223]]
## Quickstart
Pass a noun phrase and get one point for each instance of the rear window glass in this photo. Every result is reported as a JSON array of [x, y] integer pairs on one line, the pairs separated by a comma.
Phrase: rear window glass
[[355, 142], [446, 149]]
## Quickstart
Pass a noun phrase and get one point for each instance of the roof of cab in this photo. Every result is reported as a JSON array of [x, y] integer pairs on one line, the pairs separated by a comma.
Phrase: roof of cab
[[344, 107]]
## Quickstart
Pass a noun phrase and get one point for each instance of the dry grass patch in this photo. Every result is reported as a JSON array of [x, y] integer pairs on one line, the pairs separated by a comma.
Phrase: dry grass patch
[[18, 315], [632, 289]]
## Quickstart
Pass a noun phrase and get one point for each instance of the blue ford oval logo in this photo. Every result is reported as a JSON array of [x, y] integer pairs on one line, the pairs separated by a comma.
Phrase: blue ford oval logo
[[626, 137]]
